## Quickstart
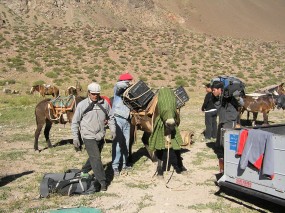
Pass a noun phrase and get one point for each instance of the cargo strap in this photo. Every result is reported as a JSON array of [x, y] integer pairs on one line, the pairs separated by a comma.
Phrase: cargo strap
[[183, 102]]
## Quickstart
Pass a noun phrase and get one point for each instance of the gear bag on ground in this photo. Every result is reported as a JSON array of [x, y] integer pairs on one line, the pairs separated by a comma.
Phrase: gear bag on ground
[[67, 183]]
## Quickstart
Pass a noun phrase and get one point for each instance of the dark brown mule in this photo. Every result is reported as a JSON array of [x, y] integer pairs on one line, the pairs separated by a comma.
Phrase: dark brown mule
[[262, 103], [45, 90], [143, 121], [46, 114], [71, 91], [74, 90]]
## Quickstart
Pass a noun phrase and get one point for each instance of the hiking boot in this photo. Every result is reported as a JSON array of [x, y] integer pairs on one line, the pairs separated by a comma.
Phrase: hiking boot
[[180, 170], [116, 172], [127, 168], [84, 175]]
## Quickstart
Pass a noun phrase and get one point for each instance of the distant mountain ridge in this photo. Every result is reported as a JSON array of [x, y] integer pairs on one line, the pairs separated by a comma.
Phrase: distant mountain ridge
[[253, 19]]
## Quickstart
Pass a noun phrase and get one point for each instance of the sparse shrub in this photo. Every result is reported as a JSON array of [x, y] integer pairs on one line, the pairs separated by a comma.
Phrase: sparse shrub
[[143, 63], [39, 82], [109, 61], [88, 69], [193, 81], [143, 78], [4, 69], [181, 82], [105, 85], [38, 69], [10, 81], [58, 81], [16, 62], [51, 74], [160, 77], [172, 65], [240, 74]]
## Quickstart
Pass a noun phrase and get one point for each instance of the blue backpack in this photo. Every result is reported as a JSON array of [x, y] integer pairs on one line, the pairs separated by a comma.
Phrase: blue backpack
[[231, 84]]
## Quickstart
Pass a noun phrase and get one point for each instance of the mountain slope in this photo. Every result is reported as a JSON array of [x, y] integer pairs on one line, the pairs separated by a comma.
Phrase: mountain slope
[[253, 19]]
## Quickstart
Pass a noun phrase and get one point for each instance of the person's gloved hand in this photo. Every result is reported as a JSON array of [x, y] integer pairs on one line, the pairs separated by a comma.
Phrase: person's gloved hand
[[113, 135], [76, 143]]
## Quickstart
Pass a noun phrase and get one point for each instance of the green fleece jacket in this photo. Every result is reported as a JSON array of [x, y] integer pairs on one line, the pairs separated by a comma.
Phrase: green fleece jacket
[[166, 109]]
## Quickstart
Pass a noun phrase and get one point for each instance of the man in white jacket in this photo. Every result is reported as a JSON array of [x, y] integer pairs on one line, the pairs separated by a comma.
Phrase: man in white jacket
[[89, 121]]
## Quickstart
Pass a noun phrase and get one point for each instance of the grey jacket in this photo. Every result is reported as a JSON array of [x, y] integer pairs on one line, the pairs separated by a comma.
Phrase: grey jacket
[[259, 145], [228, 108], [92, 124]]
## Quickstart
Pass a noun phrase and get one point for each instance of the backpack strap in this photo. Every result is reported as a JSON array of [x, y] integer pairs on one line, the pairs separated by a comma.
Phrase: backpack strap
[[91, 106], [76, 171], [104, 110]]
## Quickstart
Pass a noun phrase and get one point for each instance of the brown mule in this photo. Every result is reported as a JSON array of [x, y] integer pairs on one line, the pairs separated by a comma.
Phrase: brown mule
[[44, 90], [47, 114], [263, 100]]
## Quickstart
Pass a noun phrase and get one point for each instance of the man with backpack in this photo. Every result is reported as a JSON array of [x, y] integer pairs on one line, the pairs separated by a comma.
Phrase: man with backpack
[[89, 122], [228, 108]]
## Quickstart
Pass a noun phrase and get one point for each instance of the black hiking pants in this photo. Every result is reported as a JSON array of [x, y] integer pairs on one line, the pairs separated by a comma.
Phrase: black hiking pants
[[94, 162], [211, 124]]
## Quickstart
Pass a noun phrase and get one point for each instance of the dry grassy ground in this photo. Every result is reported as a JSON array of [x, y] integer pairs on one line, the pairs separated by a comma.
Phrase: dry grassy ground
[[22, 170]]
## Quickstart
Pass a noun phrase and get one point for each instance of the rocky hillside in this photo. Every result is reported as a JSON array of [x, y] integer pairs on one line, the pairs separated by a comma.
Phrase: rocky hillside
[[163, 42], [255, 19], [94, 13]]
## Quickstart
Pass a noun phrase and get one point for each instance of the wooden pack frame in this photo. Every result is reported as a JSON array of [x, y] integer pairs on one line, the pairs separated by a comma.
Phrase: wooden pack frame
[[60, 106]]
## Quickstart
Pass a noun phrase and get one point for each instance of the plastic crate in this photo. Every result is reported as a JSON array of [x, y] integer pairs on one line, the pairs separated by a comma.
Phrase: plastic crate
[[181, 96], [138, 96]]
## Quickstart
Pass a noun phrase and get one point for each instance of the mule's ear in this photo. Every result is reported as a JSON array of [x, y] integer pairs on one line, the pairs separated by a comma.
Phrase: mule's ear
[[281, 85]]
